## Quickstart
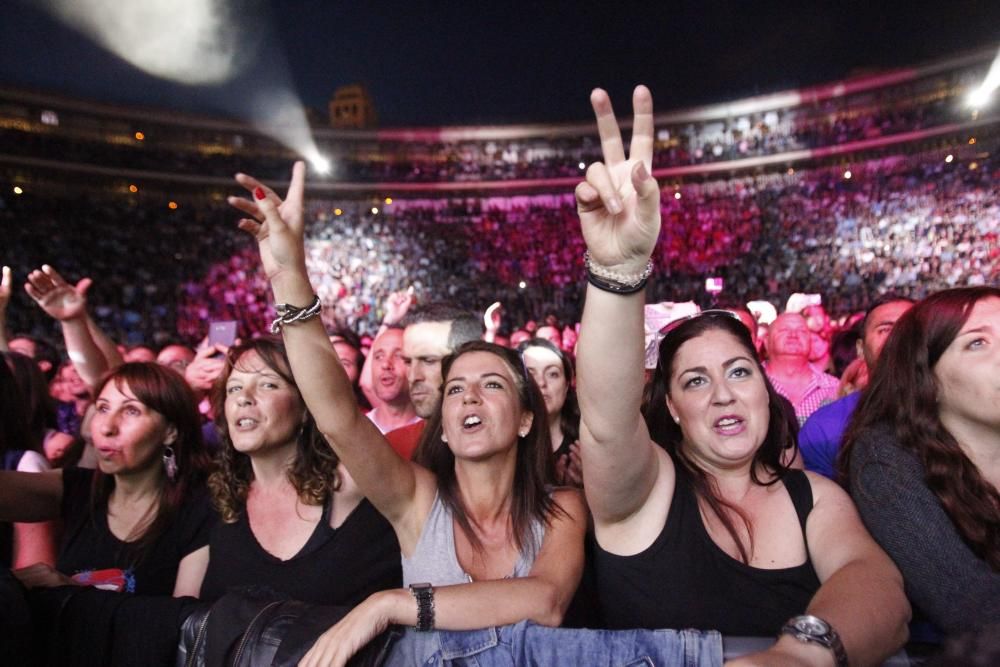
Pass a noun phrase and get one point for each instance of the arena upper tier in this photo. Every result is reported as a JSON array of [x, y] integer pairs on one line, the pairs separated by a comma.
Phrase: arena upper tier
[[755, 191]]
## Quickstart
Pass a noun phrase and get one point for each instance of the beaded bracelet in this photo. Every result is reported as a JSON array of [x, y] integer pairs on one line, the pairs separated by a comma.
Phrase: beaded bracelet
[[289, 314], [607, 280]]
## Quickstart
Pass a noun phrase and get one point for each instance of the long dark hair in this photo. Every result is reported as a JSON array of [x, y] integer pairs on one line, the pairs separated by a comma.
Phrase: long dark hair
[[15, 432], [534, 468], [40, 410], [903, 393], [163, 390], [666, 433], [569, 415], [314, 471]]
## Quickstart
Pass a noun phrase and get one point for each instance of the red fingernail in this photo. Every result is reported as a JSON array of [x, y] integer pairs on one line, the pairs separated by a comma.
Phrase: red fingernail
[[642, 172], [258, 193]]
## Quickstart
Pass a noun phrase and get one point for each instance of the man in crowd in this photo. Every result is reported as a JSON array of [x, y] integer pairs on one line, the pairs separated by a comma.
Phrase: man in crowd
[[788, 368], [432, 332], [175, 356], [820, 437], [394, 408]]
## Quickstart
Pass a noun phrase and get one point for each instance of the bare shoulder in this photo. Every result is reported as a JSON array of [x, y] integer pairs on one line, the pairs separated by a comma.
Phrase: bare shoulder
[[571, 501], [825, 491]]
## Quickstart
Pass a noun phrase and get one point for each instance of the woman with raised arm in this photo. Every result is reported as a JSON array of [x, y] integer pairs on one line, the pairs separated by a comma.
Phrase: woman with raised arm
[[922, 456], [697, 521], [484, 541], [140, 522]]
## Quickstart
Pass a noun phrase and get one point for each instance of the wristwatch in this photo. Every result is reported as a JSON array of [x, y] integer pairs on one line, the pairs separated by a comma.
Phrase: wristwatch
[[814, 630]]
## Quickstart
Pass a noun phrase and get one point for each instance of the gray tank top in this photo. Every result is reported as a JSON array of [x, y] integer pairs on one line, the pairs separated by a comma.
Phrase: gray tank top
[[434, 560]]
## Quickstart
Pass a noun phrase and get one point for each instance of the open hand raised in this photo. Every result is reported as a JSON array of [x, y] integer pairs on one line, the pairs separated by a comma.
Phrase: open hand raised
[[55, 296], [276, 224], [619, 202]]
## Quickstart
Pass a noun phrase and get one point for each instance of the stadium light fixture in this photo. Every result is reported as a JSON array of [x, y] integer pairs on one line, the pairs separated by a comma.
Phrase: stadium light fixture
[[320, 164], [982, 94]]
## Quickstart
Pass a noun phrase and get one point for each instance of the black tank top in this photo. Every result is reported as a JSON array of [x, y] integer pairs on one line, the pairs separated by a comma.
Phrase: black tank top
[[684, 580]]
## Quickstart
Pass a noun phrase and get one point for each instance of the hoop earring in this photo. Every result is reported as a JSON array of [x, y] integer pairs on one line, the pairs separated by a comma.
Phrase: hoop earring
[[170, 463]]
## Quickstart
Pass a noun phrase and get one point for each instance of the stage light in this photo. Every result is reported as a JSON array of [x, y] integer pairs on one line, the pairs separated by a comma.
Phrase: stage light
[[982, 94], [139, 136], [677, 195], [973, 166], [320, 164], [388, 200], [848, 174], [522, 285], [197, 42], [374, 210], [18, 190], [133, 188], [972, 141], [172, 206], [338, 211], [949, 158], [582, 166]]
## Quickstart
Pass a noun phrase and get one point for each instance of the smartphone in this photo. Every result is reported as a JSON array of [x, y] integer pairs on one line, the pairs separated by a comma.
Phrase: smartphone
[[713, 285], [222, 333]]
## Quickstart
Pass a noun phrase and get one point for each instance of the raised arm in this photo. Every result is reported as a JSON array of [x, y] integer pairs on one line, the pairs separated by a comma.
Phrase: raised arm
[[68, 304], [5, 291], [619, 207], [390, 482]]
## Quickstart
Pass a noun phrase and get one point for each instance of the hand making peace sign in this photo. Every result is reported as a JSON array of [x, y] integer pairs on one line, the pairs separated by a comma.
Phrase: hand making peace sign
[[619, 202]]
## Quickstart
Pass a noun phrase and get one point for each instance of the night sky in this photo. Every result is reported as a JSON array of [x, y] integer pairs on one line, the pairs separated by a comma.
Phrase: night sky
[[471, 63]]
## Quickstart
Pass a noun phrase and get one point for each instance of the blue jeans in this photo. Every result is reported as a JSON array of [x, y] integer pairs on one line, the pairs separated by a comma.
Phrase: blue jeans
[[526, 644]]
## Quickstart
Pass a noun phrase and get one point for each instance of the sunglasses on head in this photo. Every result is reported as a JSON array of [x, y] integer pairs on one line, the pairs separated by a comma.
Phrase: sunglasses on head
[[711, 312]]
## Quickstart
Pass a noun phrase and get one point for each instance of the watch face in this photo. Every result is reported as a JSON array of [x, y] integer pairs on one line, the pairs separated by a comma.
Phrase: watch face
[[812, 626]]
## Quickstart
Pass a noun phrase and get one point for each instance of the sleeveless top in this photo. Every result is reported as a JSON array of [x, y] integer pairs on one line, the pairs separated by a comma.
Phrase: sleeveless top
[[336, 566], [684, 580], [434, 560]]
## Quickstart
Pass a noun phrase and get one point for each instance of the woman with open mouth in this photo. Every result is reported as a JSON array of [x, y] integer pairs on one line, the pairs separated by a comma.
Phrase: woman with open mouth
[[484, 541], [698, 522], [140, 522]]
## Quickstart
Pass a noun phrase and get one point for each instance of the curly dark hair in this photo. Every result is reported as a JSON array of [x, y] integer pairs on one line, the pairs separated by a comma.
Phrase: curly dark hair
[[314, 472], [903, 392], [666, 433], [535, 467]]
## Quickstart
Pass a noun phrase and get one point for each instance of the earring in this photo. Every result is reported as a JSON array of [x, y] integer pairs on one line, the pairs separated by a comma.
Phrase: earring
[[170, 463], [444, 438], [522, 434], [676, 419]]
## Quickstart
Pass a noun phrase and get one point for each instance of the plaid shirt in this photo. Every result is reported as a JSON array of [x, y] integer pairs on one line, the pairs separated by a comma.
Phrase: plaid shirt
[[822, 389]]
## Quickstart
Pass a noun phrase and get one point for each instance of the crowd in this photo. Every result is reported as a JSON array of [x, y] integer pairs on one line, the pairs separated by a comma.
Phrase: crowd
[[909, 223], [927, 102], [384, 469]]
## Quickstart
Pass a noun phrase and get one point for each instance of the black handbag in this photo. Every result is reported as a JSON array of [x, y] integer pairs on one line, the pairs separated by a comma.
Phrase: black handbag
[[259, 627]]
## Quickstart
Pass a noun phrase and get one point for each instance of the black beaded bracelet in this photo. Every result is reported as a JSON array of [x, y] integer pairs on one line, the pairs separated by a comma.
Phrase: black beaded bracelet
[[609, 280], [424, 594], [615, 288]]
